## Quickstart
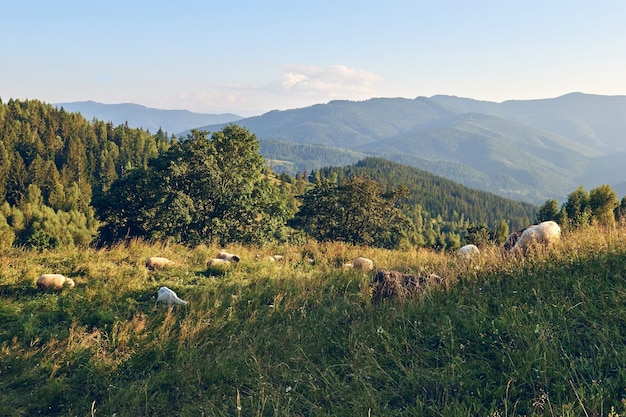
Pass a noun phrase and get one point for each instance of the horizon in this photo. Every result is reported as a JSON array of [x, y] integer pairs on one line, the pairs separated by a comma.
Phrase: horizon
[[314, 104], [247, 58]]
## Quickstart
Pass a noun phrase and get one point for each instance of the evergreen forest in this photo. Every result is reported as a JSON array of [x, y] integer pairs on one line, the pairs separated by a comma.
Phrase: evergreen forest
[[67, 181]]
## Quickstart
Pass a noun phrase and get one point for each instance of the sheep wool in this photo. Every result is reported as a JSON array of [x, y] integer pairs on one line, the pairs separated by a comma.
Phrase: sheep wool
[[363, 264], [228, 256], [468, 251], [217, 262], [53, 281], [157, 262], [169, 297], [544, 234]]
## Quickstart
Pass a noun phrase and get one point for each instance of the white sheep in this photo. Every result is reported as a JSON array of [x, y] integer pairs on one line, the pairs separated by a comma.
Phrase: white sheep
[[53, 281], [218, 263], [167, 296], [272, 258], [468, 251], [363, 264], [543, 234], [157, 262], [228, 256]]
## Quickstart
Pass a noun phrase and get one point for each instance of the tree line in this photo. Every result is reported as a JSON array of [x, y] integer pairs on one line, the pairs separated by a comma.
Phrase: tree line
[[68, 181]]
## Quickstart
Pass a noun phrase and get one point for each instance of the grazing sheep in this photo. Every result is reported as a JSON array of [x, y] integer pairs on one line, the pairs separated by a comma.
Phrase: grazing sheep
[[396, 285], [393, 285], [218, 262], [228, 256], [512, 239], [157, 262], [274, 258], [363, 264], [53, 281], [468, 251], [543, 234], [169, 297], [347, 265]]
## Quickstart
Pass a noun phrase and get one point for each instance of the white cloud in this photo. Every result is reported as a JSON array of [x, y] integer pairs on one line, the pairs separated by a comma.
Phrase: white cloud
[[298, 86], [334, 81]]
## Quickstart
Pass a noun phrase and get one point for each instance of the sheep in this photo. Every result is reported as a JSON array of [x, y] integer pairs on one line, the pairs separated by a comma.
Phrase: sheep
[[228, 256], [169, 297], [544, 234], [396, 285], [468, 251], [512, 239], [218, 263], [363, 264], [53, 281], [272, 258], [157, 262]]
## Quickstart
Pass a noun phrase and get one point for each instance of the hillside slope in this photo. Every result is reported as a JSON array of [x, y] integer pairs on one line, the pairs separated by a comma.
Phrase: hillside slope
[[529, 150], [501, 337], [435, 194], [505, 156]]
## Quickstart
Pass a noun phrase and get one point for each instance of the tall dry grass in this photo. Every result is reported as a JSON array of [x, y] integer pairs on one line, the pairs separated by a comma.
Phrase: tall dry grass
[[502, 335]]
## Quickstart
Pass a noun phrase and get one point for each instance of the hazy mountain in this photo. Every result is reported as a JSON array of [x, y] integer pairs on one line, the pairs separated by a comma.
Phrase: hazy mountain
[[528, 150], [342, 123], [593, 120], [171, 121]]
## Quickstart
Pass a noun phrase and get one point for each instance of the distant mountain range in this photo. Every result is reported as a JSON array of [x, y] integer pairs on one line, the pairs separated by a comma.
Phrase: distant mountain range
[[527, 150], [170, 121]]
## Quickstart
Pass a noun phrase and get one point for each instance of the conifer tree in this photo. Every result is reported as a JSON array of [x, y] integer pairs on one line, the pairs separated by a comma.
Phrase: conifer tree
[[548, 211], [603, 201], [577, 208]]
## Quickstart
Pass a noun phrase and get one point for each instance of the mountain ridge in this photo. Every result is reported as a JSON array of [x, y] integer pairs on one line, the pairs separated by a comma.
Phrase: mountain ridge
[[147, 118], [529, 150]]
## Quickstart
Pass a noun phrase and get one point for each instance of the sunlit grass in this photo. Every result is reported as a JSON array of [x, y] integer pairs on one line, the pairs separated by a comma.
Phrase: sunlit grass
[[501, 336]]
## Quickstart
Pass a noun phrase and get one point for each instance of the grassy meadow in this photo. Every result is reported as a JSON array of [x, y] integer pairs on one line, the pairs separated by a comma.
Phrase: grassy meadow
[[501, 336]]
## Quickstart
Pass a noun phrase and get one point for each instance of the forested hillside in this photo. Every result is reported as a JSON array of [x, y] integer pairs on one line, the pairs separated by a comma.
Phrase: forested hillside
[[527, 150], [57, 170], [294, 158], [51, 165], [442, 198]]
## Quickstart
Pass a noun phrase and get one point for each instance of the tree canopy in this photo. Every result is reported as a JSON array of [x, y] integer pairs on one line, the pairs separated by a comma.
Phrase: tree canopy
[[358, 210], [202, 189]]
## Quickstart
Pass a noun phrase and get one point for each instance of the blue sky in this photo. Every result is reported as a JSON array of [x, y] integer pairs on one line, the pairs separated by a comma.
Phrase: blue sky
[[249, 57]]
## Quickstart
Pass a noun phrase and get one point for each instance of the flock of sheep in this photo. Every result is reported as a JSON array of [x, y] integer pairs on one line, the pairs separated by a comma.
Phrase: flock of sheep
[[394, 284], [521, 241], [385, 284]]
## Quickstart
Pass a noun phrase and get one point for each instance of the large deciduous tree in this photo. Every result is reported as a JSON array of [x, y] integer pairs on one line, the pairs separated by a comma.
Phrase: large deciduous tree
[[202, 189], [358, 211]]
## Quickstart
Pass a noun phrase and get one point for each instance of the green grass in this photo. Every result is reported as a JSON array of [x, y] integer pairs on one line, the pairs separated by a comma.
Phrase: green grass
[[542, 336]]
